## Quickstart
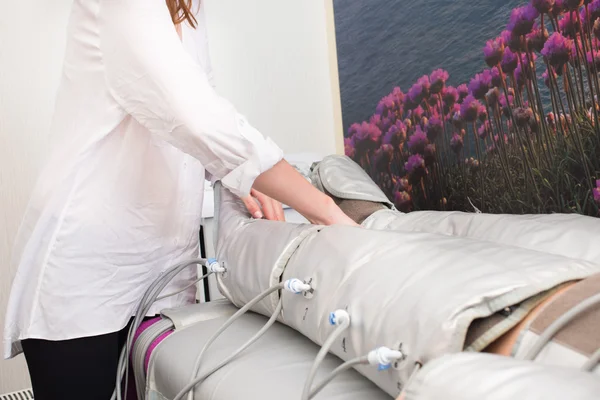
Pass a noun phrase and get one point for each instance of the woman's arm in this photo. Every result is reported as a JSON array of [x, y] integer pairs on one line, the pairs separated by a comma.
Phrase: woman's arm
[[284, 183], [154, 80]]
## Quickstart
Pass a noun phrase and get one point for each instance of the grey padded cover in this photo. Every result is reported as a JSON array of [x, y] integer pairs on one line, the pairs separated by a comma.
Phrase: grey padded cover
[[477, 376], [255, 251], [570, 235], [417, 289], [274, 368], [183, 317], [421, 290], [325, 176]]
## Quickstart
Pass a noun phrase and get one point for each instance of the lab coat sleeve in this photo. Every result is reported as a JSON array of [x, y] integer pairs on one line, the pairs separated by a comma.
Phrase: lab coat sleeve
[[153, 79]]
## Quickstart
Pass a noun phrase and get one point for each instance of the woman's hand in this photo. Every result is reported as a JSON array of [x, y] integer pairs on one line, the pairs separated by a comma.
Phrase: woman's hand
[[284, 183], [260, 205]]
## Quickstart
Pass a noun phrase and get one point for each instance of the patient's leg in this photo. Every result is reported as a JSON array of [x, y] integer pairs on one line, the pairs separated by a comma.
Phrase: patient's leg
[[358, 210], [554, 305], [505, 344]]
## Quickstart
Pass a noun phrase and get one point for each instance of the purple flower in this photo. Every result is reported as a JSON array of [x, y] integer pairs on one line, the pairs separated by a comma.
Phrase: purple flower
[[493, 51], [386, 106], [496, 77], [366, 137], [402, 185], [397, 93], [558, 50], [429, 154], [573, 5], [435, 128], [463, 91], [449, 96], [569, 25], [417, 141], [482, 114], [492, 97], [402, 201], [383, 157], [596, 192], [353, 129], [469, 108], [383, 123], [509, 62], [537, 38], [419, 91], [456, 143], [522, 116], [480, 84], [415, 95], [373, 131], [415, 167], [594, 59], [558, 9], [522, 19], [376, 120], [418, 112], [349, 149], [438, 80], [594, 13], [433, 101], [543, 6], [513, 42], [425, 84], [396, 135]]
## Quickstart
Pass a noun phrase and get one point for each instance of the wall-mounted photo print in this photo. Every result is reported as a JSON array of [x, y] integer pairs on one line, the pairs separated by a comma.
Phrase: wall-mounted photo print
[[462, 105]]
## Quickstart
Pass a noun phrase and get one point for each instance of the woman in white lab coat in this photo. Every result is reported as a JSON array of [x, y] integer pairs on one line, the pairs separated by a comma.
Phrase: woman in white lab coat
[[136, 129]]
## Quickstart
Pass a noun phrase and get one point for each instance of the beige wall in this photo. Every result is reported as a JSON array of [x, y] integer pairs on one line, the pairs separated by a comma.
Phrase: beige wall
[[272, 58]]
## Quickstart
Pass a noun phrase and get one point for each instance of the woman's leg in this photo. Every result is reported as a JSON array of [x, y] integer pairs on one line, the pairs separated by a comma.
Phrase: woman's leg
[[83, 368]]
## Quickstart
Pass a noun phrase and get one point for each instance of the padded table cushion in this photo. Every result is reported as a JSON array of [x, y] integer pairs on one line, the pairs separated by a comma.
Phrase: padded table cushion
[[273, 368]]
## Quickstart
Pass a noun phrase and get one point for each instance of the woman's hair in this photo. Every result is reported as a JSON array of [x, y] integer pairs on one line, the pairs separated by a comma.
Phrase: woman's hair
[[181, 11]]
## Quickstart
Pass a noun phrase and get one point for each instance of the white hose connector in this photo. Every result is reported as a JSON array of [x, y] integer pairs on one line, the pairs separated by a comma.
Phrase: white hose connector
[[383, 357], [214, 266], [296, 286], [339, 317]]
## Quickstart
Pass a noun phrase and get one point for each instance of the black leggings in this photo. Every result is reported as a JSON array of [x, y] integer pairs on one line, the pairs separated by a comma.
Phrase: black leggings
[[83, 368]]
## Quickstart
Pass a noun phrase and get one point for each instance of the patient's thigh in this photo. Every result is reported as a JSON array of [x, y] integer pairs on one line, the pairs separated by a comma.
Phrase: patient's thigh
[[505, 344]]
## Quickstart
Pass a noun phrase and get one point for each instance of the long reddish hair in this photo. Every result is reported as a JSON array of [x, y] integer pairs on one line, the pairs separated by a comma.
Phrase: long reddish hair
[[181, 11]]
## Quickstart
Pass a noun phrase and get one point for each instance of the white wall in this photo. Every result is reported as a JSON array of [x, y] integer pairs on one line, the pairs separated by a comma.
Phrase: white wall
[[272, 58], [31, 48], [275, 60]]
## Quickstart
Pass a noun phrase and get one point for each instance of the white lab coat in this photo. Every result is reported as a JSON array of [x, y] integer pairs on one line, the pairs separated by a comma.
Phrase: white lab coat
[[136, 124]]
